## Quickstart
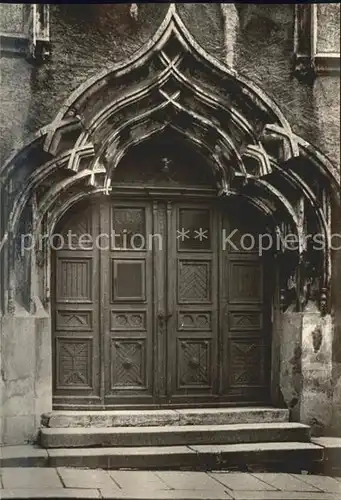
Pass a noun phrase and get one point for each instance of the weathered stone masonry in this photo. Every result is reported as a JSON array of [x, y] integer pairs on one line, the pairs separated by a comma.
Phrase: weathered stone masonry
[[84, 103]]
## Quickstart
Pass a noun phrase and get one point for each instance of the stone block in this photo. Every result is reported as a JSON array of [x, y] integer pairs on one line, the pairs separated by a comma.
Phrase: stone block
[[162, 457], [290, 361], [225, 416], [117, 418], [19, 429], [91, 458], [18, 348], [43, 376], [289, 456], [172, 435], [316, 410], [150, 418], [19, 397]]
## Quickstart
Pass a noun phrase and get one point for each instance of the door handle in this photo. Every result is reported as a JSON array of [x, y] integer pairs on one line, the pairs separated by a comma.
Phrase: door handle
[[163, 318]]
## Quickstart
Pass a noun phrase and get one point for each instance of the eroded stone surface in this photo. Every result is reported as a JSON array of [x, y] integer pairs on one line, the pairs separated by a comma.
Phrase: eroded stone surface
[[202, 416]]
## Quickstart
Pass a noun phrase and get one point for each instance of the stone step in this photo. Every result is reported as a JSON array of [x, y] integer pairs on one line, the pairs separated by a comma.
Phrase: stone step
[[142, 418], [332, 455], [77, 437], [277, 456]]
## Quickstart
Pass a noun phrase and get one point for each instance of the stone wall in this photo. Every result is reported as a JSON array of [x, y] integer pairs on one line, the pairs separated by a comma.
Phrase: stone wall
[[26, 374], [258, 41]]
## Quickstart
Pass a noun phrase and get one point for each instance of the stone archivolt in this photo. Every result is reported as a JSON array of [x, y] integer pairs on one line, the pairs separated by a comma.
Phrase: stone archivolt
[[171, 87]]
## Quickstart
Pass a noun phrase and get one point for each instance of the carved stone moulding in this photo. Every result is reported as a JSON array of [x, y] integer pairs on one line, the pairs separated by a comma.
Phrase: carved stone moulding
[[246, 142], [33, 38], [311, 58]]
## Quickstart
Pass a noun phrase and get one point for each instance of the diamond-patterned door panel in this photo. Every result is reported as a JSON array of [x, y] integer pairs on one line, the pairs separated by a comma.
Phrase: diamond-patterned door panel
[[194, 363], [128, 364], [194, 281], [74, 363], [76, 335], [128, 322], [129, 228], [247, 363], [184, 323]]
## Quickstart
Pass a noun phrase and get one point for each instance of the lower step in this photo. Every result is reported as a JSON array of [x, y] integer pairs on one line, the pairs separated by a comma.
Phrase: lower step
[[172, 435], [284, 457]]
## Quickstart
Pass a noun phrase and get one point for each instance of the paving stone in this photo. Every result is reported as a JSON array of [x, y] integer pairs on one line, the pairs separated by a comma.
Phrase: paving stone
[[241, 481], [55, 494], [85, 478], [138, 480], [23, 456], [281, 495], [30, 477], [326, 484], [285, 482], [189, 480], [167, 494]]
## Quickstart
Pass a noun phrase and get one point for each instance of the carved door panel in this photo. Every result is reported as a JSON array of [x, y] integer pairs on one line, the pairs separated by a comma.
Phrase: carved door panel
[[193, 295], [76, 333], [127, 304], [157, 310], [244, 314]]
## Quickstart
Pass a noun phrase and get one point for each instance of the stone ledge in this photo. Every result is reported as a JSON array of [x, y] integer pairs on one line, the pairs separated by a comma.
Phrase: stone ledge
[[23, 456], [122, 418], [78, 437]]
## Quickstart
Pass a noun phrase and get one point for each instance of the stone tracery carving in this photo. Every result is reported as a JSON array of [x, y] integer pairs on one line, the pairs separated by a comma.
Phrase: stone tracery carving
[[181, 90]]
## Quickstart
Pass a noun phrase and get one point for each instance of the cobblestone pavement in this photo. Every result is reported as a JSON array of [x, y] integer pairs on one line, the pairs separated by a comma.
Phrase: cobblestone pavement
[[39, 482]]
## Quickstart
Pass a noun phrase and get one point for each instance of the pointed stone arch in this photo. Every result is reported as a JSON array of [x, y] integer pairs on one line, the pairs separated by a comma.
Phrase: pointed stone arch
[[170, 85]]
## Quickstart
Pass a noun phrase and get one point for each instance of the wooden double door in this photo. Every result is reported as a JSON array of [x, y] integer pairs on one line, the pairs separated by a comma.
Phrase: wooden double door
[[153, 305]]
